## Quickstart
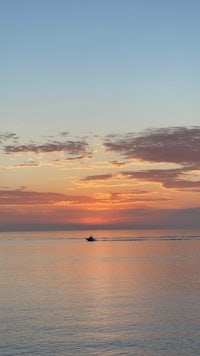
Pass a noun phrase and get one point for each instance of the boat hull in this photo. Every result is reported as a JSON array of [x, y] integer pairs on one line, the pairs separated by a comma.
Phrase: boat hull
[[90, 239]]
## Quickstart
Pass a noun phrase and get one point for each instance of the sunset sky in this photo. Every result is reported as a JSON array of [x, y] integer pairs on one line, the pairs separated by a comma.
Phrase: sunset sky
[[99, 114]]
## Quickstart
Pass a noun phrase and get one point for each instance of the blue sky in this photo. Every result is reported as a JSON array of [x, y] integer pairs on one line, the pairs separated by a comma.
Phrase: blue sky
[[99, 65]]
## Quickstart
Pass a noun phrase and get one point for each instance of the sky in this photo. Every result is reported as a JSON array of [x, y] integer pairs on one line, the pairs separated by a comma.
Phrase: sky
[[99, 113]]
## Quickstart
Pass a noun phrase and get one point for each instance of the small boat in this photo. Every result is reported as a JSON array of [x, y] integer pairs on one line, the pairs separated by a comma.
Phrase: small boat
[[90, 238]]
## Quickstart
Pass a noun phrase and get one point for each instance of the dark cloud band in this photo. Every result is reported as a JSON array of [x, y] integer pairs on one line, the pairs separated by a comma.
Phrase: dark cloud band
[[170, 145]]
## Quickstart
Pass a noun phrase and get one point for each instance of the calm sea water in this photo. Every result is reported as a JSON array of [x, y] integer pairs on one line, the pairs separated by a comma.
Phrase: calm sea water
[[128, 293]]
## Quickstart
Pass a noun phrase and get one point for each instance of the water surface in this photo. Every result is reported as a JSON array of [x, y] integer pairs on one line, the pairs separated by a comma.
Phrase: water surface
[[128, 293]]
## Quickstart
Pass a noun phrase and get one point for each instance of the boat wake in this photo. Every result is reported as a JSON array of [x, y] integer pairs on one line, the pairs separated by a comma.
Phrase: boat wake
[[149, 238]]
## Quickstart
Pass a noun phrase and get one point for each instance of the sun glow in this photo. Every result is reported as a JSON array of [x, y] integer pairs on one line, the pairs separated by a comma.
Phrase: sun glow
[[107, 189]]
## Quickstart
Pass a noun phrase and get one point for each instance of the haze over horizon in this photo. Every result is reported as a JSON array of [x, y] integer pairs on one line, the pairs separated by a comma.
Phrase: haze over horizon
[[99, 114]]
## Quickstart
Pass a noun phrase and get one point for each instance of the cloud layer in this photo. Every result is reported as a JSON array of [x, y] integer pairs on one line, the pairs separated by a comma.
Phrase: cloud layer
[[133, 180], [74, 147], [25, 197], [172, 145]]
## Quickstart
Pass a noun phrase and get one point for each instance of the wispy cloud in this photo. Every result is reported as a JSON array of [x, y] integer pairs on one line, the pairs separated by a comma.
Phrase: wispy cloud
[[117, 164], [98, 177], [169, 178], [23, 197], [70, 147], [134, 196], [172, 145], [8, 136]]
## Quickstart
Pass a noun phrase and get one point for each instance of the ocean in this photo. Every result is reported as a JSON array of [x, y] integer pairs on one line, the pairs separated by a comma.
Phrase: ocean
[[128, 293]]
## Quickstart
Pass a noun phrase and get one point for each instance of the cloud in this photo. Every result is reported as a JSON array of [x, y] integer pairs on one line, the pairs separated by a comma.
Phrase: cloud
[[116, 163], [64, 133], [169, 178], [69, 147], [179, 145], [27, 164], [79, 147], [23, 197], [98, 177], [134, 196], [77, 158], [8, 136]]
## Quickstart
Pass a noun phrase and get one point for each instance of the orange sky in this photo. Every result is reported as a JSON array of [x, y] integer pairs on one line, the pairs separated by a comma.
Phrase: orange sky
[[148, 179]]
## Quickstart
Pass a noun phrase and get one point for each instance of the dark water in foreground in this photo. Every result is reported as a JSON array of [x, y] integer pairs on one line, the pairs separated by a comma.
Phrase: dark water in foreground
[[128, 293]]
